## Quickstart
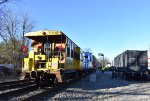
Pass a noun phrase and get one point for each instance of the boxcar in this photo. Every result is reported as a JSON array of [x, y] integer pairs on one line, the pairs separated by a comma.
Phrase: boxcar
[[132, 62]]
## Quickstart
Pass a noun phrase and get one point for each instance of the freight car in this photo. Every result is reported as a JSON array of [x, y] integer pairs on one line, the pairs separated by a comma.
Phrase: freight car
[[132, 63], [55, 57]]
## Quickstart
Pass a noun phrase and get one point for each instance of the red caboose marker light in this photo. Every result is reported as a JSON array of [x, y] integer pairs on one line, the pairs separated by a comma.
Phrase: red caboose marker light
[[43, 33], [60, 47], [39, 47], [24, 48]]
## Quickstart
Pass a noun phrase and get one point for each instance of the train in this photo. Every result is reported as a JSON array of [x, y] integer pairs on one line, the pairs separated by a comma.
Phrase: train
[[54, 57], [132, 63]]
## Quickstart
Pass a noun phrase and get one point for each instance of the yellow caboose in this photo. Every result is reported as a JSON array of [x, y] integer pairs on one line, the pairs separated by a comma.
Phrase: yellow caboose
[[53, 56]]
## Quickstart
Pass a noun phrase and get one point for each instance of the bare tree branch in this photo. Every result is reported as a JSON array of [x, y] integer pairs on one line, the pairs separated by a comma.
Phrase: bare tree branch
[[27, 26], [10, 27], [5, 1]]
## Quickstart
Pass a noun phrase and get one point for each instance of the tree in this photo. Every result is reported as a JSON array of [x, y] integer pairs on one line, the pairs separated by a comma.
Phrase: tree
[[105, 61], [11, 28], [27, 25], [5, 1]]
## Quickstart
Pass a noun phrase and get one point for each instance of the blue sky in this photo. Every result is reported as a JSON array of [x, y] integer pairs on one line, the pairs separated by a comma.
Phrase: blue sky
[[105, 26]]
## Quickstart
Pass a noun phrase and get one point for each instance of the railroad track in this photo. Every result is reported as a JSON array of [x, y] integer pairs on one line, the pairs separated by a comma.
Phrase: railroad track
[[29, 91], [51, 90], [14, 88], [14, 84]]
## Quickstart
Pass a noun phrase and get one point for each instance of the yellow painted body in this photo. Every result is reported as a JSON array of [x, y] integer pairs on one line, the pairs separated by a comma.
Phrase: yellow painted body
[[77, 61], [42, 57], [29, 63], [69, 63]]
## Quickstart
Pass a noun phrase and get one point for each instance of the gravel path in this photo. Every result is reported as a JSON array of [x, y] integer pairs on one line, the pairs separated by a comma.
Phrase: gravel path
[[104, 89]]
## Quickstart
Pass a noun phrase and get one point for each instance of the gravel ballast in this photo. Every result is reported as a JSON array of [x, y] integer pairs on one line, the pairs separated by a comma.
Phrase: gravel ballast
[[104, 89]]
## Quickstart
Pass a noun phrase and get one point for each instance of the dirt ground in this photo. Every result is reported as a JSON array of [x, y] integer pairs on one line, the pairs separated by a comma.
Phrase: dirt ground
[[105, 89], [123, 90]]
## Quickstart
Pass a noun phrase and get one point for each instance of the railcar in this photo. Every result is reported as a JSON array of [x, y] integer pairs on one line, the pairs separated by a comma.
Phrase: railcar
[[132, 63], [54, 56]]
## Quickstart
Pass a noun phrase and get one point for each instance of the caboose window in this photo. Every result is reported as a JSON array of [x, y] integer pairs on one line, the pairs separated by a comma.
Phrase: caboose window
[[81, 56], [78, 56], [71, 53], [72, 50], [68, 43], [68, 48], [47, 49], [68, 52]]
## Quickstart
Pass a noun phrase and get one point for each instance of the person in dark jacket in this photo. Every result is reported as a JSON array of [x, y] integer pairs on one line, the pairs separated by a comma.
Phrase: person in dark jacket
[[114, 74]]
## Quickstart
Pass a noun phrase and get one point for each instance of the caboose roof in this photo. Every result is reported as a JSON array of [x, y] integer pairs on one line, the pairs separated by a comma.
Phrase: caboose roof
[[41, 33]]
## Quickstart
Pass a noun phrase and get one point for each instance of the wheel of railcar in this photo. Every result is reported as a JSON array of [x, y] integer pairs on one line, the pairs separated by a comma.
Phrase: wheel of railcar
[[33, 74], [124, 75], [22, 76], [48, 77], [55, 81], [64, 76], [145, 77], [27, 76], [76, 75]]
